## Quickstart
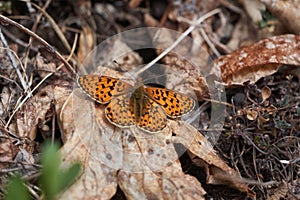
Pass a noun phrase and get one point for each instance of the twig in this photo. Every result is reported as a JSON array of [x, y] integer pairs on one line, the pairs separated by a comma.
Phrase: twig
[[12, 60], [17, 40], [179, 39], [4, 20], [209, 43]]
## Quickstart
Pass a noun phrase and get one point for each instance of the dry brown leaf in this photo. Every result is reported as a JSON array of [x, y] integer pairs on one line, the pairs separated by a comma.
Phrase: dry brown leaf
[[278, 193], [261, 121], [260, 59], [286, 11], [251, 114], [8, 150], [265, 93], [84, 143], [6, 101], [203, 154], [44, 68], [33, 112]]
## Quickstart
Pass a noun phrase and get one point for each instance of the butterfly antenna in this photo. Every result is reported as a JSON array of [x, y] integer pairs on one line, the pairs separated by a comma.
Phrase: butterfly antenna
[[123, 68]]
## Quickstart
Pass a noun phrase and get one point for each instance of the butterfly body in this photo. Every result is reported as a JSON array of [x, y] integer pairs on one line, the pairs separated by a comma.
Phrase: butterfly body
[[141, 106]]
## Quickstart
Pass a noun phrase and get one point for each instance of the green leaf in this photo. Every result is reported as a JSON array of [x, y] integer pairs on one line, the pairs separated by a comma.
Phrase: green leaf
[[49, 179], [54, 180], [16, 189], [69, 176]]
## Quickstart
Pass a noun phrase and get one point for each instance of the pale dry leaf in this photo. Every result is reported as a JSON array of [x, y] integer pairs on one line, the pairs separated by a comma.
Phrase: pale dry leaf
[[62, 92], [143, 164], [151, 169], [150, 21], [203, 154], [258, 60], [190, 54], [33, 112], [25, 157], [86, 143]]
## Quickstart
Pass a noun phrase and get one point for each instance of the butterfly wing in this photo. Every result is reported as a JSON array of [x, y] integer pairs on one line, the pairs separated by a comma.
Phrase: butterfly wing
[[102, 88], [174, 104], [120, 112], [152, 117]]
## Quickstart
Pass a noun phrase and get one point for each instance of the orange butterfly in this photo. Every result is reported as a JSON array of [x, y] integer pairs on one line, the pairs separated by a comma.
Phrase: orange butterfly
[[143, 106]]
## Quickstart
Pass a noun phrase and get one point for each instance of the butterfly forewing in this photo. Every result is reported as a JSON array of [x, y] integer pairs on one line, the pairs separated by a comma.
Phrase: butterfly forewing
[[174, 104], [103, 88]]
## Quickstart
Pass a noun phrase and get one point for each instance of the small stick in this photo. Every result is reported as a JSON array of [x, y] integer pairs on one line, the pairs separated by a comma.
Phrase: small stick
[[38, 85]]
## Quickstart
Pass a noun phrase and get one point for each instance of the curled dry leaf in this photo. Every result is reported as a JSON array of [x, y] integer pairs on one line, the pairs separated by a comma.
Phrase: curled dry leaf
[[259, 60], [251, 114], [261, 121], [265, 93], [33, 112], [203, 154], [286, 11]]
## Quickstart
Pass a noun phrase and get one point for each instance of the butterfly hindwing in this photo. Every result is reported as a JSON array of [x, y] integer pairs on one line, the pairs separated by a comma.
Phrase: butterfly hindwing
[[152, 118], [120, 112]]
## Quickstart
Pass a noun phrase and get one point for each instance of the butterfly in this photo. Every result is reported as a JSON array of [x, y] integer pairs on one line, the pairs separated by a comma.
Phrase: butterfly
[[141, 106]]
